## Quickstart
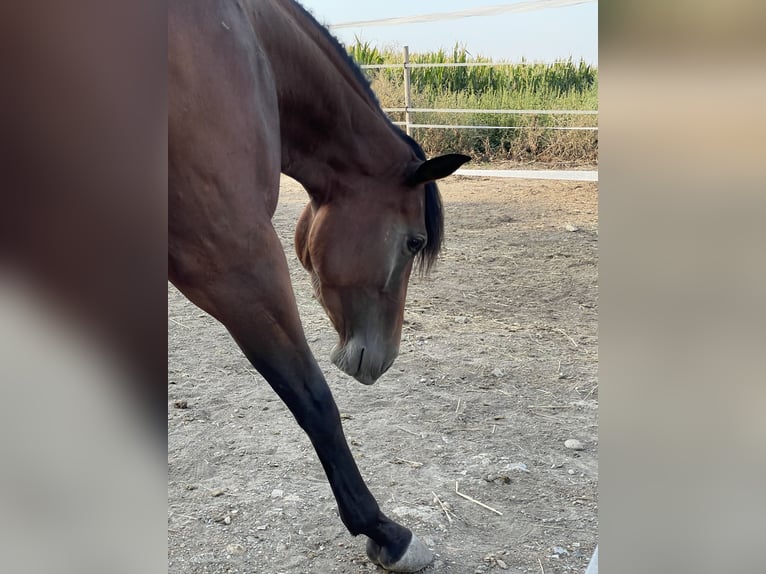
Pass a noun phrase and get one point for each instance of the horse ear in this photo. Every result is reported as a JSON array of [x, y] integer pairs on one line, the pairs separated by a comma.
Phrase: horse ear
[[437, 168]]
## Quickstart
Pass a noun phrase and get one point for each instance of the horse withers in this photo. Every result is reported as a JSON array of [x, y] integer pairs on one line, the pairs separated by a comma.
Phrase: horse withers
[[259, 88]]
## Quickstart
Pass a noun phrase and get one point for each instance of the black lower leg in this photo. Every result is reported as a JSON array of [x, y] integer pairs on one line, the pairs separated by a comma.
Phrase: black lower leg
[[311, 402], [358, 508]]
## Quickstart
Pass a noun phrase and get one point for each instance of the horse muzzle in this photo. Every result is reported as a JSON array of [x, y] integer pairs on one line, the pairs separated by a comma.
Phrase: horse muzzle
[[366, 363]]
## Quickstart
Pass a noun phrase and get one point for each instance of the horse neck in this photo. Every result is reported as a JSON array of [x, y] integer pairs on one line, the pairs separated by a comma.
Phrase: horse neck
[[330, 124]]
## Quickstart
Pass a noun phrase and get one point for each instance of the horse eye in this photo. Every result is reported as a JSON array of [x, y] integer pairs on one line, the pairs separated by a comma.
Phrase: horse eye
[[415, 244]]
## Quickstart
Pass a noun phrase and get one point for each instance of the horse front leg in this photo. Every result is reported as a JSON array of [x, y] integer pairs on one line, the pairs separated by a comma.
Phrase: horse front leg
[[389, 544], [257, 306]]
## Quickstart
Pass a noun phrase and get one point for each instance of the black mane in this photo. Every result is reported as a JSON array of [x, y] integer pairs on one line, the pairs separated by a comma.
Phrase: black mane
[[434, 212], [343, 53]]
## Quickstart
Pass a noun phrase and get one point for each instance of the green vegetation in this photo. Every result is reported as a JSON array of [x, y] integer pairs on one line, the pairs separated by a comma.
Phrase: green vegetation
[[564, 85]]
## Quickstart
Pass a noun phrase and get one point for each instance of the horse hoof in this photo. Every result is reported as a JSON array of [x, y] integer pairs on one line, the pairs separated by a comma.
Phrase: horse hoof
[[416, 557]]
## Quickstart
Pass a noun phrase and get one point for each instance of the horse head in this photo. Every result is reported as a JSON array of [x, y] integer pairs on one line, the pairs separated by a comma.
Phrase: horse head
[[360, 246]]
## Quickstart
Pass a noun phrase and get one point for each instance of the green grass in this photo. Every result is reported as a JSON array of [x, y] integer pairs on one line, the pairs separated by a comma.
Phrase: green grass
[[564, 85]]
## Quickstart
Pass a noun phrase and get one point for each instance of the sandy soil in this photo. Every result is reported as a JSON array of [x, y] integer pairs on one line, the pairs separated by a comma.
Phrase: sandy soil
[[498, 367]]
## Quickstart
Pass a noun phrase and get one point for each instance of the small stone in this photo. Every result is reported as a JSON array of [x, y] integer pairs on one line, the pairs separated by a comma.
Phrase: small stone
[[277, 493], [570, 227], [235, 549], [502, 564], [570, 471], [560, 551], [498, 373], [520, 466], [182, 404], [573, 444], [217, 492]]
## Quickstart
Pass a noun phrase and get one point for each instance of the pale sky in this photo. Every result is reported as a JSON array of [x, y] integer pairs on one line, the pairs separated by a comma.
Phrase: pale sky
[[541, 35]]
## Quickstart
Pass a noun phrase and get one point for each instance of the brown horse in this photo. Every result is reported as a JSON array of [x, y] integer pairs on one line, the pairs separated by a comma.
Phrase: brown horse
[[257, 88]]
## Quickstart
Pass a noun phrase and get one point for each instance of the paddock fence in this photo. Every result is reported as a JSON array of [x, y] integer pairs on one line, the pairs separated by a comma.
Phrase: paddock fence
[[410, 113]]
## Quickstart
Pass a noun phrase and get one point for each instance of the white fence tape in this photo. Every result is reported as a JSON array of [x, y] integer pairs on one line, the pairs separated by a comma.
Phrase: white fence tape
[[485, 111], [550, 174], [527, 6], [461, 127]]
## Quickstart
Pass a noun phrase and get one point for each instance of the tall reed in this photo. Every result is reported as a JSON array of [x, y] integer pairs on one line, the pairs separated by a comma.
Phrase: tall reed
[[563, 85]]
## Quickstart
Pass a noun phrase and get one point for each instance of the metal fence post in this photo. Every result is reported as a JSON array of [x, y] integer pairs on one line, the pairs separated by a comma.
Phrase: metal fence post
[[407, 92]]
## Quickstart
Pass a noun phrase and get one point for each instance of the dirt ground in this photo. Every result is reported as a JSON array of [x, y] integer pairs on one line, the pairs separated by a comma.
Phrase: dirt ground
[[498, 368]]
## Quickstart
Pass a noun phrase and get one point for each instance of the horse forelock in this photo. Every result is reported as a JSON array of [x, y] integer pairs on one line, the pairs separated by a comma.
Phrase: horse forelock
[[434, 228], [434, 213]]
